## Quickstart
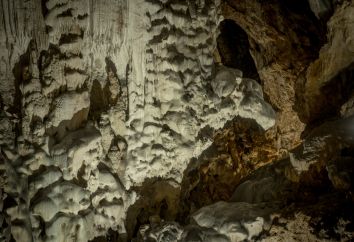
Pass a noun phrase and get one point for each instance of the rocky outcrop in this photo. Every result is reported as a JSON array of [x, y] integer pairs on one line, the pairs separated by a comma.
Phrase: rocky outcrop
[[293, 197], [284, 39], [328, 83], [241, 147]]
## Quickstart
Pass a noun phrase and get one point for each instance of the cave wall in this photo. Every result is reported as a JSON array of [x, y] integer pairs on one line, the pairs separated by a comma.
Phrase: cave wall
[[286, 41], [118, 117], [99, 96]]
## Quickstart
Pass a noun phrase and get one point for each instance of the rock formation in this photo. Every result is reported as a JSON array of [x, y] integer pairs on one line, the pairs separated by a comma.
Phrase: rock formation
[[176, 120]]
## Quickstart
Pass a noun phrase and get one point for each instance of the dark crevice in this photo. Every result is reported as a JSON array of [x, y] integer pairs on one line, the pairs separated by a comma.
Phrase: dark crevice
[[9, 202], [66, 13], [165, 32], [330, 100], [83, 16], [111, 236], [233, 47], [158, 201], [79, 179], [48, 29], [99, 100], [70, 38], [41, 193], [22, 75], [42, 169], [305, 24], [42, 234], [71, 70], [44, 8], [46, 57]]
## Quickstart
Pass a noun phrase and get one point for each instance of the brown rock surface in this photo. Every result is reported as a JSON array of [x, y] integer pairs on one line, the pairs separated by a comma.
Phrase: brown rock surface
[[239, 148], [284, 39], [329, 78]]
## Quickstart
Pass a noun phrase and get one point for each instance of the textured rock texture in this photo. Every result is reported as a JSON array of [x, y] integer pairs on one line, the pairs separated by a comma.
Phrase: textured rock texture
[[332, 71], [176, 120], [286, 40], [289, 200], [97, 97]]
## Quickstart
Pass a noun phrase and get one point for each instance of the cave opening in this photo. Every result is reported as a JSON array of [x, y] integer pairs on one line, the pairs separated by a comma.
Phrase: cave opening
[[233, 47]]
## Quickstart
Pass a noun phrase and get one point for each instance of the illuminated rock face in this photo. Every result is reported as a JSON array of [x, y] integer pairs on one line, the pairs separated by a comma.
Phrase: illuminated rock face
[[97, 97], [117, 115]]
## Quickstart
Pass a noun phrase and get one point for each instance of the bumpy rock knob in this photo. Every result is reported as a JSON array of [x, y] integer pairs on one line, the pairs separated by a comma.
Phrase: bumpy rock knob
[[225, 81]]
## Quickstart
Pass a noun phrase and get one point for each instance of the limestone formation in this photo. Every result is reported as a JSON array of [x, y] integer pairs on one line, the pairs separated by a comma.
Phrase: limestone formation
[[140, 121], [106, 102]]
